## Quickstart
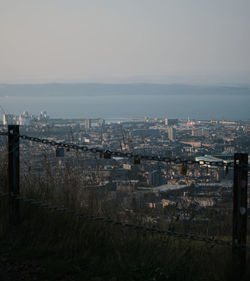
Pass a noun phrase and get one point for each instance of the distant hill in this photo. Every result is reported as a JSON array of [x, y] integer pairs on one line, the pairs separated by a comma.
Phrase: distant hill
[[96, 89]]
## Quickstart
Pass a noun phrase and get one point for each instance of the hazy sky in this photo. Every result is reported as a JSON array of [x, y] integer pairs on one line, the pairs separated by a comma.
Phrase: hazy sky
[[184, 41]]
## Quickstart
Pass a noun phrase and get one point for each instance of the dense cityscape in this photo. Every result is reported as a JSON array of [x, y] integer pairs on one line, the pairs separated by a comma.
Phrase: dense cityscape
[[151, 184]]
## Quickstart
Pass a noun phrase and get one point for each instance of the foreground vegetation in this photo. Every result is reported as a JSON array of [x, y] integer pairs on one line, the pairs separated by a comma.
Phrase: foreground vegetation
[[67, 248], [46, 245]]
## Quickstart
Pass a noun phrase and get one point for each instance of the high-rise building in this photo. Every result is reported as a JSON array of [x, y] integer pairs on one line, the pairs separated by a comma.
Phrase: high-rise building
[[171, 122], [24, 119], [87, 124], [9, 119], [171, 134], [43, 116], [5, 120]]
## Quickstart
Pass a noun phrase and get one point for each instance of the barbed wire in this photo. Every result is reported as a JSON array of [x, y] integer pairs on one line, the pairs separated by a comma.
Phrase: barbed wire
[[108, 154], [108, 220]]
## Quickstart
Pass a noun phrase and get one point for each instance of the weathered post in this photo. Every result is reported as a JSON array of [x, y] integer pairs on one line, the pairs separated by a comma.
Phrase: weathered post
[[240, 214], [13, 172]]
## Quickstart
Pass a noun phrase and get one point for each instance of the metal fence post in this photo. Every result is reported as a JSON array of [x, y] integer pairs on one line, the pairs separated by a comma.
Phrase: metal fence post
[[13, 172], [240, 214]]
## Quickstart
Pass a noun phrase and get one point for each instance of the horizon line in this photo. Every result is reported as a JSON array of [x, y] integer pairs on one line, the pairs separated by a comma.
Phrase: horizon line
[[216, 84]]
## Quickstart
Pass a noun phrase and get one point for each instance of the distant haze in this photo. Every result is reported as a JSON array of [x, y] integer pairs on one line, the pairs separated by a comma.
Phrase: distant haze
[[125, 41]]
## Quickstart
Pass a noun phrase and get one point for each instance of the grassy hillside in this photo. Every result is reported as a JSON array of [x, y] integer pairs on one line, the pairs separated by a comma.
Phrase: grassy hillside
[[47, 245]]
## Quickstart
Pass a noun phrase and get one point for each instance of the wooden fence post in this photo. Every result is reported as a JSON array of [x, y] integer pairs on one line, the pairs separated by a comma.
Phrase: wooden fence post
[[13, 172]]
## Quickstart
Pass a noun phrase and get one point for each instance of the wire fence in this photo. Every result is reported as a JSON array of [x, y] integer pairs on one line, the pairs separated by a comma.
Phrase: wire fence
[[108, 220], [137, 158]]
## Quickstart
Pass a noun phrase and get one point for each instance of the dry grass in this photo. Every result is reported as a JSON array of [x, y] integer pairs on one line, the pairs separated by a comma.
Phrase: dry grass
[[97, 250], [69, 248]]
